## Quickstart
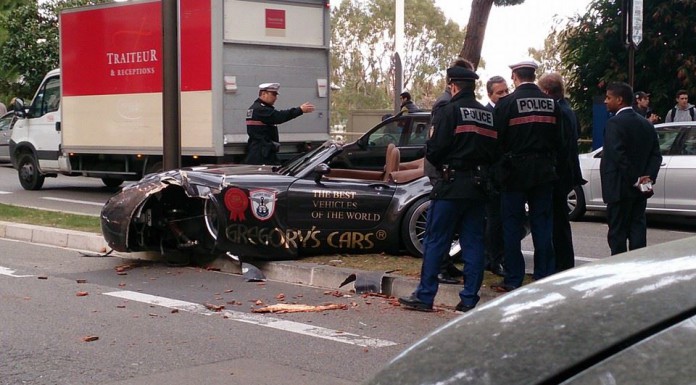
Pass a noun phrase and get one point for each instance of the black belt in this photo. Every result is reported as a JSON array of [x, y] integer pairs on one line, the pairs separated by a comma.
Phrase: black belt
[[527, 156], [463, 166]]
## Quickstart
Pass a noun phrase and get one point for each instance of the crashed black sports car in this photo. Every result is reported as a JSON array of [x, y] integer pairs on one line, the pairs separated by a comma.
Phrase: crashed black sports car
[[304, 207]]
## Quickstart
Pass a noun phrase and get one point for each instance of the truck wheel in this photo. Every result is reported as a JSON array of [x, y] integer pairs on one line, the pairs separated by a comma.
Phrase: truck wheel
[[112, 182], [28, 170]]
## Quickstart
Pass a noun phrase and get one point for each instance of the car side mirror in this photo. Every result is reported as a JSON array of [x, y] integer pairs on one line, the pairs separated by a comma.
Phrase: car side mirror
[[319, 171], [18, 107]]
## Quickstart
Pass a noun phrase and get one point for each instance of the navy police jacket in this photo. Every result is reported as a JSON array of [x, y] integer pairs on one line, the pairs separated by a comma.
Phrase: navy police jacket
[[530, 134], [464, 139], [262, 121]]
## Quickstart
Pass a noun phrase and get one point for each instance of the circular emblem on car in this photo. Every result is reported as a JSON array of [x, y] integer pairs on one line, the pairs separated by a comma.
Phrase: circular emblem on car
[[236, 202], [262, 203], [381, 235]]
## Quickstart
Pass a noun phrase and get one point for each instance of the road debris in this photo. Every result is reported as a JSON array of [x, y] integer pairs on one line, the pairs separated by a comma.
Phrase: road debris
[[297, 308], [213, 307]]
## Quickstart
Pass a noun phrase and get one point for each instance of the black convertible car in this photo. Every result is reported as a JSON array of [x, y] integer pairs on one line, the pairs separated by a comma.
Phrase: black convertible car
[[304, 207]]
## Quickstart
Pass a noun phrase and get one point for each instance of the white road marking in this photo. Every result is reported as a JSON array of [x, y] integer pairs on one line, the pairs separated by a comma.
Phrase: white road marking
[[584, 259], [5, 192], [74, 201], [11, 273], [256, 319], [587, 259]]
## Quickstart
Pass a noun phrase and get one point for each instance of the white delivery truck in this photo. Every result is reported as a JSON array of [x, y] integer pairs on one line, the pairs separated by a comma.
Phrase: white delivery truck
[[100, 114]]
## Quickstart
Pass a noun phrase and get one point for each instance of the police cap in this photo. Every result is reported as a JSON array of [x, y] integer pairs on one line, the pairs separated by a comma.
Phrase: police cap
[[641, 95], [457, 73], [529, 63], [272, 87]]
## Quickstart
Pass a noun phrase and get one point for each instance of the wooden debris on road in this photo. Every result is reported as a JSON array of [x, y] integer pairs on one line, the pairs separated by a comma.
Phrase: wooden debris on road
[[297, 308]]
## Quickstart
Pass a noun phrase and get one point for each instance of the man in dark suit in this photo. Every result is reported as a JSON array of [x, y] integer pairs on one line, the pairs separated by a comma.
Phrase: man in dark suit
[[630, 163], [497, 88], [568, 170]]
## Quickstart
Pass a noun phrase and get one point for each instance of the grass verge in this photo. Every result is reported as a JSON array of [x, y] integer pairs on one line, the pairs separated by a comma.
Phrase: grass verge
[[9, 213]]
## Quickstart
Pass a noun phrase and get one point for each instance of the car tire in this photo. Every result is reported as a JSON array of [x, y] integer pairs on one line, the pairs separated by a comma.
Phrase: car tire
[[413, 226], [112, 182], [207, 234], [413, 230], [576, 203], [28, 172]]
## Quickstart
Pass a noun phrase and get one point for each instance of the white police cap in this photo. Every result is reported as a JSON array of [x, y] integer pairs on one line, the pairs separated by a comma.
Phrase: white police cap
[[273, 87], [529, 63]]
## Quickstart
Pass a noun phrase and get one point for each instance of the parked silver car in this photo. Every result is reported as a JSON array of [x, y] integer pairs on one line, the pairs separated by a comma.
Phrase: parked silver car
[[627, 319], [674, 191]]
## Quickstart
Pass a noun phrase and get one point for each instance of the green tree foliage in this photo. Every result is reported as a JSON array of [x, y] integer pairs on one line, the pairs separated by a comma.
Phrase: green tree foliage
[[31, 46], [549, 57], [5, 7], [362, 47], [594, 54]]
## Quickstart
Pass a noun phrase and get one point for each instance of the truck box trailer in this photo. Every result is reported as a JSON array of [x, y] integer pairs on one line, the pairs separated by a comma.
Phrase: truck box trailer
[[100, 114]]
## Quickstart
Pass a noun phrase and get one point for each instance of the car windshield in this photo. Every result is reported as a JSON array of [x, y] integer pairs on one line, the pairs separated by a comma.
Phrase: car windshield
[[295, 166]]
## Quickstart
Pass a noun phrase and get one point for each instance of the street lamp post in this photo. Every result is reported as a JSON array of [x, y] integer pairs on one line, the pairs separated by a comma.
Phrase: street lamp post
[[171, 99], [398, 54], [633, 32]]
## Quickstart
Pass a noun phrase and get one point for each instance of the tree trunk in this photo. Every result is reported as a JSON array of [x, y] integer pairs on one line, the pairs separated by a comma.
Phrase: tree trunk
[[476, 30]]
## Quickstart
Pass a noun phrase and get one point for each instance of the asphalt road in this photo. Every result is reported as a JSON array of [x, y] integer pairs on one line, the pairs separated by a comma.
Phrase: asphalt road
[[153, 327], [78, 195]]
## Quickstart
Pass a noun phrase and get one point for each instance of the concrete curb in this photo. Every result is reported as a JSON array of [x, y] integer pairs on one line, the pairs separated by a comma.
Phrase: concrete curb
[[296, 272], [53, 236]]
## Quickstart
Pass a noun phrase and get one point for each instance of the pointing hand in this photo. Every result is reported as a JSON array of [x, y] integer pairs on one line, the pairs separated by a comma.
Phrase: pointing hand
[[307, 107]]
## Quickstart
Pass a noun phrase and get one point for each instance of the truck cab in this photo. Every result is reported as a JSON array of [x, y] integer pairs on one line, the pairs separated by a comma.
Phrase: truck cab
[[35, 142]]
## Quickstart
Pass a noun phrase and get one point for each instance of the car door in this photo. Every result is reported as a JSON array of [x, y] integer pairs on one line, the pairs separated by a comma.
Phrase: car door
[[589, 165], [43, 123], [413, 140], [5, 134], [679, 173], [667, 138], [368, 152], [339, 214]]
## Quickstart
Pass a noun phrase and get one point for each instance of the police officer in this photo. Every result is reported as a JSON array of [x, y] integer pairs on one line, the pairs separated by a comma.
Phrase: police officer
[[462, 147], [262, 119], [449, 272], [529, 135]]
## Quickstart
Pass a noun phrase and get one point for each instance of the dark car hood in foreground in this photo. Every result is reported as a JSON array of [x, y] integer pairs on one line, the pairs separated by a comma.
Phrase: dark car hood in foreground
[[549, 331]]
